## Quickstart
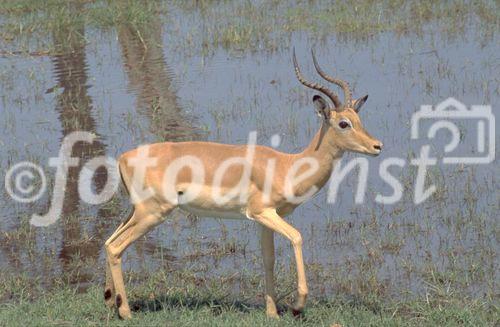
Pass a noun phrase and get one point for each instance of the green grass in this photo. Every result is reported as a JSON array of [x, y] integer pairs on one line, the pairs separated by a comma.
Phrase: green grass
[[180, 300], [241, 25], [31, 23]]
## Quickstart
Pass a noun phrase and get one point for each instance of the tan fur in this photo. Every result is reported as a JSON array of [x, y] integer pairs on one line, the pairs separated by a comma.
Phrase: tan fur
[[327, 147]]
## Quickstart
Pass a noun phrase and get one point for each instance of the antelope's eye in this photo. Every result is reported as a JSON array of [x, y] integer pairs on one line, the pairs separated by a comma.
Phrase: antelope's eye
[[343, 124]]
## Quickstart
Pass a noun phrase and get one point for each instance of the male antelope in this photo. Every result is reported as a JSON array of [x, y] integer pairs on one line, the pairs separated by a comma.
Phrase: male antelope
[[270, 194]]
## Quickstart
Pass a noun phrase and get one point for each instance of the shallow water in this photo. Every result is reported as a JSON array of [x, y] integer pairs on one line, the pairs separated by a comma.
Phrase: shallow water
[[132, 90]]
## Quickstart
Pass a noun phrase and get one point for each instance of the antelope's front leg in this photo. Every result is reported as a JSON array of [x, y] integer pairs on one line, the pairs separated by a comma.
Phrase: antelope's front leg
[[270, 219], [267, 247]]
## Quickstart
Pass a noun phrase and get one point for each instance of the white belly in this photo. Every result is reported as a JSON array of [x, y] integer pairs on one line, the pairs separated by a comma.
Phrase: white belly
[[202, 212], [204, 205]]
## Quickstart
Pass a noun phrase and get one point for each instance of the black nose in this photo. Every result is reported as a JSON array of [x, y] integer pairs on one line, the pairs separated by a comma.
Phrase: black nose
[[378, 147]]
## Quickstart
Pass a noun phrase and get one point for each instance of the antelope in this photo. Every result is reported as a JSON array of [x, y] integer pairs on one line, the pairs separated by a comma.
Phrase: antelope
[[267, 199]]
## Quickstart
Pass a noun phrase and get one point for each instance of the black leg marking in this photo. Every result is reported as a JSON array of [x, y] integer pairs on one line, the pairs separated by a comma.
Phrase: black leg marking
[[118, 300], [107, 294]]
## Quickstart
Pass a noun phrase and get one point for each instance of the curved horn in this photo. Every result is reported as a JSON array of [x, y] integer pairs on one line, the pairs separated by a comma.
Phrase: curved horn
[[339, 82], [315, 86]]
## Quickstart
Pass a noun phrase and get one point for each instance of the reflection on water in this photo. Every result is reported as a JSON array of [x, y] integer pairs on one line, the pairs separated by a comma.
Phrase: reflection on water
[[133, 86], [150, 80], [75, 112]]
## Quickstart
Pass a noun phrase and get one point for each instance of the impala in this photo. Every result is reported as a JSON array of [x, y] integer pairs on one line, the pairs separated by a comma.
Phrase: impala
[[271, 192]]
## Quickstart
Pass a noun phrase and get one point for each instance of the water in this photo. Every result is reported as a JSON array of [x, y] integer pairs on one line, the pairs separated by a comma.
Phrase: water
[[132, 89]]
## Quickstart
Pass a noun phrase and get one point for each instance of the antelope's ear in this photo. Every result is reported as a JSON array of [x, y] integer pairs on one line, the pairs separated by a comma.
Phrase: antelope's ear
[[357, 104], [322, 107]]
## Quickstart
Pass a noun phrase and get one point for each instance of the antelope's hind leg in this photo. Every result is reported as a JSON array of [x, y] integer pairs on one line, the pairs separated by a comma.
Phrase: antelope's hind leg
[[267, 247], [143, 219]]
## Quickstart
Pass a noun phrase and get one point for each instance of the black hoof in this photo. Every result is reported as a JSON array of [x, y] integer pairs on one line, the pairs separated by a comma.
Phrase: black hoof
[[298, 314]]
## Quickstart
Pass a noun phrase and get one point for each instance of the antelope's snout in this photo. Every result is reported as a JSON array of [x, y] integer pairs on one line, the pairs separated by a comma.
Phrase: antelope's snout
[[377, 148]]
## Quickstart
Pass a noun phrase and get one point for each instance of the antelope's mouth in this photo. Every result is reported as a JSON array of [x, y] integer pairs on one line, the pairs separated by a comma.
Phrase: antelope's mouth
[[374, 152]]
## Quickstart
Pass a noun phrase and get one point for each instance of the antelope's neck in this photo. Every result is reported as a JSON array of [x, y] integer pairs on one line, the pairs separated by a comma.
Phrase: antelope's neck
[[325, 153]]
